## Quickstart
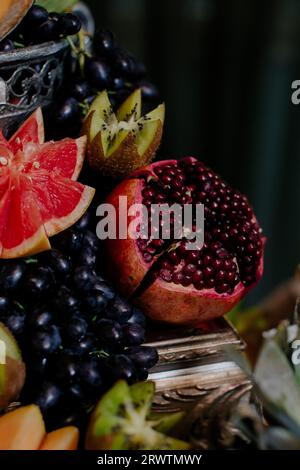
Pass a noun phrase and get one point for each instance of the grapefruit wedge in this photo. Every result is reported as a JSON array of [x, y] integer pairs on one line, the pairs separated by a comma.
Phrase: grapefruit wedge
[[39, 194]]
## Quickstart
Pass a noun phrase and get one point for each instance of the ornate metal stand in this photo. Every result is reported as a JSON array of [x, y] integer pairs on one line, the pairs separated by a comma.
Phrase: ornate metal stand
[[195, 375], [29, 78]]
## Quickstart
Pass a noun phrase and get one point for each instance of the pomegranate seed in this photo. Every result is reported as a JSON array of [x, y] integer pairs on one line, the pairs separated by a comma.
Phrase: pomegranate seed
[[199, 285], [192, 256], [208, 271], [207, 260], [158, 170], [166, 275], [166, 179], [210, 283], [173, 257], [148, 193], [177, 278], [197, 276], [221, 275], [222, 288], [217, 263], [189, 269], [186, 281]]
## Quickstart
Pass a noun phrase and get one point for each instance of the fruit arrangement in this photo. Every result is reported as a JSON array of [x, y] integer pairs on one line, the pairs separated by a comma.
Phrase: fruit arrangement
[[72, 308]]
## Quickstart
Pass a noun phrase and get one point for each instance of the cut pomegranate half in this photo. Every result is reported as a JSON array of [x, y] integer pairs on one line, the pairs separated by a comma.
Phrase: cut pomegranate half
[[167, 280]]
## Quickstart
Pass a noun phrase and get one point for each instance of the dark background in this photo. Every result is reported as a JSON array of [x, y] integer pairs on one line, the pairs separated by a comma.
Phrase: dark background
[[224, 69]]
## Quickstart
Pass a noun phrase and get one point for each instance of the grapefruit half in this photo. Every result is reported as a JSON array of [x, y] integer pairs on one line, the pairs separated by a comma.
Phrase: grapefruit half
[[39, 194]]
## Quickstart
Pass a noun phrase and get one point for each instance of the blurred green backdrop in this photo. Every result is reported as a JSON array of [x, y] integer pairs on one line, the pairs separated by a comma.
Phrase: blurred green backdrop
[[224, 69]]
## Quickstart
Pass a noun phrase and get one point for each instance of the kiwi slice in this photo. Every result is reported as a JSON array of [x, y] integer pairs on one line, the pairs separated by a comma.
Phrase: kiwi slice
[[122, 420], [121, 142]]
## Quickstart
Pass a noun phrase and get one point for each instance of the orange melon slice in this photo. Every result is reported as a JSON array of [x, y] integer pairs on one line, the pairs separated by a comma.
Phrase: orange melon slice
[[22, 429], [62, 439]]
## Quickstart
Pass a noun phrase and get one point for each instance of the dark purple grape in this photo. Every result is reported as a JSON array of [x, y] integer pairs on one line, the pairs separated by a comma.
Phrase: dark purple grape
[[108, 332], [103, 42], [85, 345], [133, 334], [90, 374], [117, 84], [11, 275], [68, 112], [76, 393], [149, 91], [6, 45], [38, 283], [66, 302], [95, 302], [69, 24], [142, 374], [46, 341], [4, 305], [119, 309], [97, 73], [80, 90], [54, 16], [59, 262], [91, 240], [34, 18], [40, 317], [70, 241], [83, 278], [15, 319], [137, 317], [87, 257], [48, 396], [104, 287], [143, 356], [47, 31], [75, 328], [121, 63], [65, 368], [119, 367], [84, 222]]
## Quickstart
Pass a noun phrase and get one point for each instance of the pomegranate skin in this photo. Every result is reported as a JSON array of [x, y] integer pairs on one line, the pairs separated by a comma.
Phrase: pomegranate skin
[[162, 301], [123, 262]]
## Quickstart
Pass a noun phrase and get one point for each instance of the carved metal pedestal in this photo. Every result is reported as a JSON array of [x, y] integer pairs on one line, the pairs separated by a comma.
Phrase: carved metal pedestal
[[194, 374], [29, 78]]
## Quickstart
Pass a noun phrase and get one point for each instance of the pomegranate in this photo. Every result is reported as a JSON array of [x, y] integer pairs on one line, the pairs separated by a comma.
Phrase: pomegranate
[[170, 282]]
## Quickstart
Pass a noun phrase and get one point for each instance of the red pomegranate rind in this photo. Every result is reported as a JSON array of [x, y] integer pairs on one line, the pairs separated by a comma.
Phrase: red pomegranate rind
[[168, 281], [50, 190], [32, 131], [124, 253], [206, 306], [64, 158]]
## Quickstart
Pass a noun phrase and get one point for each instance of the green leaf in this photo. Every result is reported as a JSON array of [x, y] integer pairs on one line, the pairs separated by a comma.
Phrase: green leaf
[[275, 378], [57, 5]]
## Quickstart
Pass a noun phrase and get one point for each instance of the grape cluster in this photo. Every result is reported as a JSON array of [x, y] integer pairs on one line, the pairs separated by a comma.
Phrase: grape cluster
[[107, 67], [39, 26], [76, 334]]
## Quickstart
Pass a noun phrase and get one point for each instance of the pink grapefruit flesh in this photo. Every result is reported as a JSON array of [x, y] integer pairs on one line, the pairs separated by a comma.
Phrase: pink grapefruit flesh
[[39, 194]]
